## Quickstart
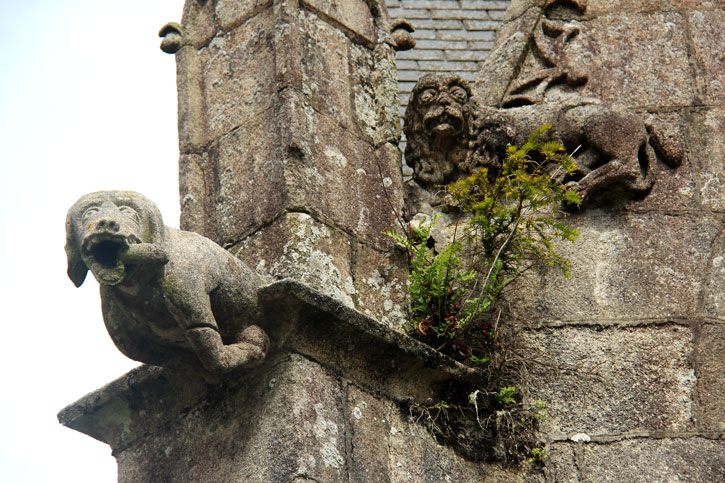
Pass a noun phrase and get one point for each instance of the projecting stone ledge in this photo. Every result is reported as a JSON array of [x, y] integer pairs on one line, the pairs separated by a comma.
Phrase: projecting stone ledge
[[323, 407]]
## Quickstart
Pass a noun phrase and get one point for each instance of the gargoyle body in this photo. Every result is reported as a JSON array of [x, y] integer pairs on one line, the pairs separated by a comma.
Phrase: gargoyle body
[[170, 298]]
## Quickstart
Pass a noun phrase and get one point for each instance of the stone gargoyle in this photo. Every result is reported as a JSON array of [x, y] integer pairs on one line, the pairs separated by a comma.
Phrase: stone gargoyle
[[449, 135], [170, 298]]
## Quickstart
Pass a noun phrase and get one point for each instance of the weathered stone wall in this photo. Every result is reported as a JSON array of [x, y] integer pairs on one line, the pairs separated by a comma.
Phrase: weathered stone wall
[[288, 131], [633, 341], [325, 406]]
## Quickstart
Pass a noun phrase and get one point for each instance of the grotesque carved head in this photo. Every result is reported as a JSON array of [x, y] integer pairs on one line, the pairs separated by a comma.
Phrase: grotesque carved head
[[441, 100], [101, 226], [437, 127]]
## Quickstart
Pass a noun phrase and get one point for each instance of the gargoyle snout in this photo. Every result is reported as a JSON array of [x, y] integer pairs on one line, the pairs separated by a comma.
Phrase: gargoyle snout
[[108, 225], [108, 219]]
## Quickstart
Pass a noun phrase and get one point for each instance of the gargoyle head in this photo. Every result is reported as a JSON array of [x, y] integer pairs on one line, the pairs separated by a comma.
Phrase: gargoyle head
[[101, 227], [437, 127], [441, 100]]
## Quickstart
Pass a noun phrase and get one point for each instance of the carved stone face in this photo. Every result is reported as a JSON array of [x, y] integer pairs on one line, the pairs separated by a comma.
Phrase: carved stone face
[[436, 127], [102, 225], [441, 100]]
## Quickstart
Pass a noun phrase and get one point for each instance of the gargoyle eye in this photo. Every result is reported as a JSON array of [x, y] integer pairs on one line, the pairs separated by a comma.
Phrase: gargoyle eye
[[459, 93], [89, 213], [129, 213], [427, 96]]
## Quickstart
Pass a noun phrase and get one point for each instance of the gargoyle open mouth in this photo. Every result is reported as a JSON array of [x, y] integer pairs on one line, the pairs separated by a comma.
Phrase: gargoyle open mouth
[[101, 253], [443, 125]]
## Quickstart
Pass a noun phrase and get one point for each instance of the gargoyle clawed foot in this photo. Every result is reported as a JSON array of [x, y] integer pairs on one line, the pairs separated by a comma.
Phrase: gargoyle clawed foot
[[217, 358]]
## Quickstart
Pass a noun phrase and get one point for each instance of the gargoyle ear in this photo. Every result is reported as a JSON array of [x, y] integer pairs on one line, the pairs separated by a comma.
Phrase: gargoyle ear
[[77, 270]]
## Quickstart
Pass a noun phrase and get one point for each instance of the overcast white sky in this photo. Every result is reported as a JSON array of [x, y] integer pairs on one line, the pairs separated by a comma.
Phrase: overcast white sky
[[87, 102]]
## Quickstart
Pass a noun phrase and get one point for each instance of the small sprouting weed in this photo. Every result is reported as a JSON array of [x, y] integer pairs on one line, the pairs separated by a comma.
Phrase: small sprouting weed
[[506, 395], [508, 223], [479, 360], [538, 454]]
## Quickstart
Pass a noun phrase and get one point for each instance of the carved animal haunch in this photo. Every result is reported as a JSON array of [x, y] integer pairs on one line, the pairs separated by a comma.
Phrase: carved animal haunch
[[170, 298]]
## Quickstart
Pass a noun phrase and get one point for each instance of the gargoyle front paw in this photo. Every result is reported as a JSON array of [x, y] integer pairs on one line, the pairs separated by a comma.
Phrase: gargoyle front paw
[[241, 355], [255, 356], [219, 358]]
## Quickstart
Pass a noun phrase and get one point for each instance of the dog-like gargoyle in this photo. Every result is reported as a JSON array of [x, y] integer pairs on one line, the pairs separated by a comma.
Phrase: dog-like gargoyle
[[170, 298]]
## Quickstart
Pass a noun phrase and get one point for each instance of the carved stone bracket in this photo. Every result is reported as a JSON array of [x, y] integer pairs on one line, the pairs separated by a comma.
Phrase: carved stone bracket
[[325, 402]]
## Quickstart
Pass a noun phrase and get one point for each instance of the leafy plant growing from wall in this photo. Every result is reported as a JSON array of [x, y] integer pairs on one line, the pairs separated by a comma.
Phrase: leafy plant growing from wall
[[509, 222]]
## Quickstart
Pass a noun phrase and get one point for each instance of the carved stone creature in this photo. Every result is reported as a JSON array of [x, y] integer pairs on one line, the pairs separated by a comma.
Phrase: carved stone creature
[[169, 297], [438, 125], [449, 135]]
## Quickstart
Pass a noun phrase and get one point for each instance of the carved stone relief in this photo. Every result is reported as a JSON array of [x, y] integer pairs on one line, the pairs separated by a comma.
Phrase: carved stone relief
[[535, 76], [449, 135], [555, 56], [170, 298]]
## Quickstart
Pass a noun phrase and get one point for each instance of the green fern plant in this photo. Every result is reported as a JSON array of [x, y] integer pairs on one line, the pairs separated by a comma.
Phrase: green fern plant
[[437, 283], [510, 224]]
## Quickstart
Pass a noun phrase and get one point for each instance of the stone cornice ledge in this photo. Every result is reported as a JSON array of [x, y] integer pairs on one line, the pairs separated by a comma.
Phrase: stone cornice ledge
[[300, 321]]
